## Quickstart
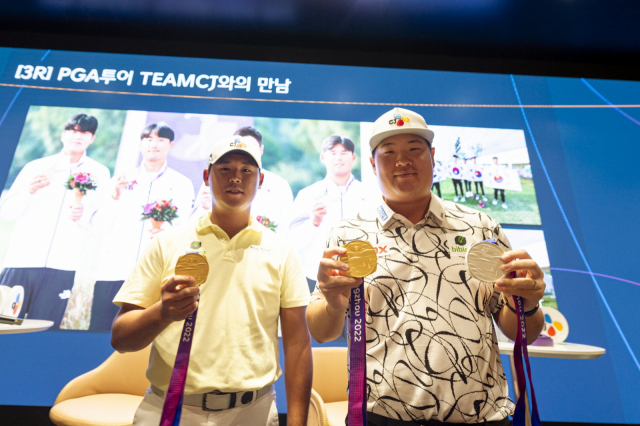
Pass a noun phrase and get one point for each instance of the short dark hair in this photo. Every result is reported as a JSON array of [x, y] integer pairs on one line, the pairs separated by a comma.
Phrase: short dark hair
[[334, 140], [495, 158], [83, 122], [161, 129], [249, 131]]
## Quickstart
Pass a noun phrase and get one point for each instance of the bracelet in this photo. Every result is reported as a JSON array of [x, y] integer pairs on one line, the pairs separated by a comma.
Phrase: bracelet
[[526, 314]]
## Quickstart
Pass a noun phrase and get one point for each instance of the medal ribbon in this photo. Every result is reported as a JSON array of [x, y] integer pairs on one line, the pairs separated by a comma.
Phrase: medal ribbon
[[520, 351], [357, 360], [172, 408]]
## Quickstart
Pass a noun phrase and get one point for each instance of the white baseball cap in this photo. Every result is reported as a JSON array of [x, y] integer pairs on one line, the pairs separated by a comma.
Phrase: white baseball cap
[[399, 121], [236, 144]]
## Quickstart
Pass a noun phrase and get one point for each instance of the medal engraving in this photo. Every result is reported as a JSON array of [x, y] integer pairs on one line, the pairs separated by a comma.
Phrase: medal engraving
[[194, 265], [361, 257], [483, 262]]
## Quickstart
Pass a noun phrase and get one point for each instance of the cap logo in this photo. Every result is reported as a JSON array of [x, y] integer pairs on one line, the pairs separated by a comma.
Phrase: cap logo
[[398, 120], [238, 145]]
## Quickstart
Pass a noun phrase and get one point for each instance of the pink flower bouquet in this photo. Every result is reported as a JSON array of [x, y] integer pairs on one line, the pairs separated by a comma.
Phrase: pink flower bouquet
[[82, 182], [159, 211], [266, 222]]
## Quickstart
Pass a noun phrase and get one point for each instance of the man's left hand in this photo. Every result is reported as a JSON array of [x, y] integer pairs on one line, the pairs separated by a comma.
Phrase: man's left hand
[[75, 212], [529, 284]]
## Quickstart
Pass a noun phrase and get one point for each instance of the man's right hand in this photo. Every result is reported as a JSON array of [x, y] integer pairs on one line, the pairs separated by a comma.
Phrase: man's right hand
[[333, 282], [38, 183], [120, 184], [318, 212], [205, 198], [179, 297]]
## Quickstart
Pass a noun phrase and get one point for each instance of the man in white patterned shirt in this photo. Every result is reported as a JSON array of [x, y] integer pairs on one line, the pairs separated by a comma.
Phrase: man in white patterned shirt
[[432, 354]]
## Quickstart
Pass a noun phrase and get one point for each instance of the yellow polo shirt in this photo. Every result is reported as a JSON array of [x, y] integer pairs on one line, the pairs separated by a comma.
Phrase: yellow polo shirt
[[251, 276]]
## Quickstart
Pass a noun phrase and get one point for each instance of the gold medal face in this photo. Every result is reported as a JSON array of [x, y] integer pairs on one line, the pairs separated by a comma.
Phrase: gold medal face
[[361, 257], [194, 265]]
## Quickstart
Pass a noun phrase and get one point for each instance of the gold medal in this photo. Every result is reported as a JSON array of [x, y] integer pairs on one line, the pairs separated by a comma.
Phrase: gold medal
[[194, 265], [361, 258]]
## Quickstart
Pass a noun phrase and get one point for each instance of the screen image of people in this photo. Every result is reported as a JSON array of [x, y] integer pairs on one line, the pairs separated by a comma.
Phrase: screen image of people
[[276, 199], [167, 197], [487, 170], [318, 207], [143, 184], [51, 202]]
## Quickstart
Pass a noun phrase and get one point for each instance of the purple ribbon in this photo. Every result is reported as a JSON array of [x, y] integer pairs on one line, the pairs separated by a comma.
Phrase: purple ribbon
[[173, 402], [520, 351], [357, 360]]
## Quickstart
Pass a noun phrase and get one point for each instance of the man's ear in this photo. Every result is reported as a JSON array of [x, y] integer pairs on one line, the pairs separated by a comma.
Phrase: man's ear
[[261, 180], [433, 156], [205, 176], [373, 165]]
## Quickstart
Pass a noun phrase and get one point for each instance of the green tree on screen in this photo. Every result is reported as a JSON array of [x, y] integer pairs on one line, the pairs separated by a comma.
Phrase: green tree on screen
[[292, 147]]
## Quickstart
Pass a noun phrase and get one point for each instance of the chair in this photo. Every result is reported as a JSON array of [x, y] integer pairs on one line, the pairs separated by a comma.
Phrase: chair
[[329, 398], [109, 395]]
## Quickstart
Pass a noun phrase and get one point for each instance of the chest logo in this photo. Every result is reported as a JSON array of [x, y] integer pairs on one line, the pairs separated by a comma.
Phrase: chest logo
[[196, 245], [382, 250], [459, 244]]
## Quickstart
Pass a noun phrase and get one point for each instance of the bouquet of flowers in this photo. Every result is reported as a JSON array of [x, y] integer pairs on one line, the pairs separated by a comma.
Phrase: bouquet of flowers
[[80, 183], [159, 212], [267, 223]]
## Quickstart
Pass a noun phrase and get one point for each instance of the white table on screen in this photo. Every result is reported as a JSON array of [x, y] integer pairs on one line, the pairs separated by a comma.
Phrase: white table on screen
[[562, 350], [559, 350], [27, 326]]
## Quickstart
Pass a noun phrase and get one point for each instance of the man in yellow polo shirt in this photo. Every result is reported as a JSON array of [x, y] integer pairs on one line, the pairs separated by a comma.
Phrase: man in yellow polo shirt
[[254, 279]]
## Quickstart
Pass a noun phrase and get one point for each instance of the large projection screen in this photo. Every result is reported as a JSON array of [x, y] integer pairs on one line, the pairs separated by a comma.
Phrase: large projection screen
[[552, 159]]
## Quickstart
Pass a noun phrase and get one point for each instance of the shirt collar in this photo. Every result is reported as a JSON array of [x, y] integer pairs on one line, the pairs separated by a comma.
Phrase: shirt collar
[[64, 161], [436, 210], [143, 174], [331, 185], [204, 225]]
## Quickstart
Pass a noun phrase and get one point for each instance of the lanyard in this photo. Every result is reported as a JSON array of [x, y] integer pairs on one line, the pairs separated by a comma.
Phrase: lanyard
[[357, 359], [173, 402], [519, 351]]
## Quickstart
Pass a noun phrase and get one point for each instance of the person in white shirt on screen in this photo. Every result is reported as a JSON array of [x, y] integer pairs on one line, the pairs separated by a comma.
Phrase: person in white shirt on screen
[[438, 176], [456, 171], [497, 168], [468, 176], [477, 175], [50, 225], [273, 201], [125, 235], [321, 205]]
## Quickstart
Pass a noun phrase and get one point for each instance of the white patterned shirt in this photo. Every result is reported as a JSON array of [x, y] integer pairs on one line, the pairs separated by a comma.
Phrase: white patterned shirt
[[432, 351]]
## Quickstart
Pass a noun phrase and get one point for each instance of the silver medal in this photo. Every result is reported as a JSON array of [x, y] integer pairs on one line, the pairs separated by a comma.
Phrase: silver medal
[[483, 262]]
